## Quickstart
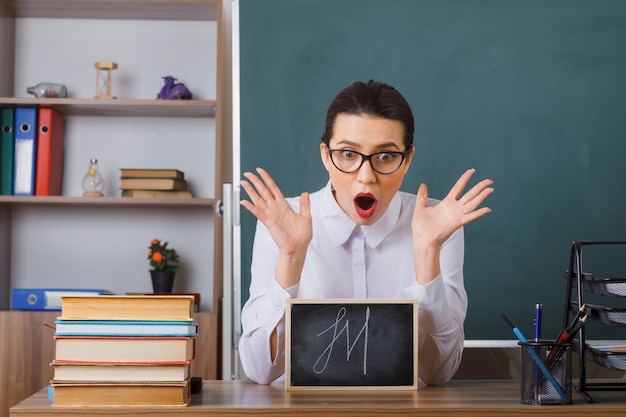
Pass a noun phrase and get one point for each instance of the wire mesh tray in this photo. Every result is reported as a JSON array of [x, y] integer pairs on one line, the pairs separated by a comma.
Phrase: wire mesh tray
[[611, 316], [610, 360], [615, 287]]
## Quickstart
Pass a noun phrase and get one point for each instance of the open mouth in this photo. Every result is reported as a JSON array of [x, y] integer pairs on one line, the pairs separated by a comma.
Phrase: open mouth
[[365, 205]]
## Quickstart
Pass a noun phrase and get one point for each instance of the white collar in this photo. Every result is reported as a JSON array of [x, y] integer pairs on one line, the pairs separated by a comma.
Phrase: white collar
[[340, 227]]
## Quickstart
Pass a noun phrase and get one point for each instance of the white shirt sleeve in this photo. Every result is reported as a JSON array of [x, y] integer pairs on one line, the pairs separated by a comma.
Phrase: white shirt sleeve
[[442, 309], [262, 313]]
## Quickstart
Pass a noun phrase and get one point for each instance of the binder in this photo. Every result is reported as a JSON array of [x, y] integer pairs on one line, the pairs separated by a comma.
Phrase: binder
[[6, 151], [46, 298], [50, 144], [25, 151]]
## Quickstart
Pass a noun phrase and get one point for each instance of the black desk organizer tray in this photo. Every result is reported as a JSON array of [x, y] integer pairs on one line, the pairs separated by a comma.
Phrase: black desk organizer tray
[[611, 287], [581, 282], [609, 360], [609, 316]]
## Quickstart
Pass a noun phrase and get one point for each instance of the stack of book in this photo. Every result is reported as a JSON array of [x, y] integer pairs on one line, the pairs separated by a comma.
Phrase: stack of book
[[124, 350], [139, 182]]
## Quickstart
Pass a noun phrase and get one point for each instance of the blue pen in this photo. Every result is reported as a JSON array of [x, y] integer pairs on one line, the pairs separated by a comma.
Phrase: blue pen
[[533, 355], [538, 310]]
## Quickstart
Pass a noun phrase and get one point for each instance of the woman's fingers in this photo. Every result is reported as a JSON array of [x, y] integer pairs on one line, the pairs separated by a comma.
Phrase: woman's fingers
[[475, 190], [270, 184], [305, 205], [264, 187], [477, 194], [260, 190], [266, 199], [457, 189]]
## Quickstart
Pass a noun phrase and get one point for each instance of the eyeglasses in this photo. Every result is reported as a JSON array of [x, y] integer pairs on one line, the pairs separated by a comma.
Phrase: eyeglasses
[[349, 161]]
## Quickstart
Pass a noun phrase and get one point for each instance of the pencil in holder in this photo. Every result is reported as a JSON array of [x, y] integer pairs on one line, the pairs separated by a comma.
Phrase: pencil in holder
[[546, 373]]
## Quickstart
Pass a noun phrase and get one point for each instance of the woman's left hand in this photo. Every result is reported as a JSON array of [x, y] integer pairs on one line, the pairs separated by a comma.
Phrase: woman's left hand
[[432, 226]]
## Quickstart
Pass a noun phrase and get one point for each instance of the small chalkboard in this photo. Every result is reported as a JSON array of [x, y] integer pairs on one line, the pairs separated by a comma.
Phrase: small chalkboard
[[351, 344]]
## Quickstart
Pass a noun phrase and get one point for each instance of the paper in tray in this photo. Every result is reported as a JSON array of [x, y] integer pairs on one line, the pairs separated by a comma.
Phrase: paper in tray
[[610, 360]]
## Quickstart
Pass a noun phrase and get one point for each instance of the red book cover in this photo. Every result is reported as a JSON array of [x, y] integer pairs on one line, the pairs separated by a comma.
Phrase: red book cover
[[50, 144]]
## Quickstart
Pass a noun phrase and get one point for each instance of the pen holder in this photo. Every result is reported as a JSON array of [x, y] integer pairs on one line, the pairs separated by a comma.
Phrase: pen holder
[[546, 373]]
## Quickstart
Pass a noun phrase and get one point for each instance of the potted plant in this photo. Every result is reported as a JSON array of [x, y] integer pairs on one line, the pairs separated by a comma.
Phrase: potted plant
[[164, 264]]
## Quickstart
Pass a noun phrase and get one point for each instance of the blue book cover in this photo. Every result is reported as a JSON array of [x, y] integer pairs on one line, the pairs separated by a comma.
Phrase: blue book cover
[[125, 328], [45, 298], [25, 152]]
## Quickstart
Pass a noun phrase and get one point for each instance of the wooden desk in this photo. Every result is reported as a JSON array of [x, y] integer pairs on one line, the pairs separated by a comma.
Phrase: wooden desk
[[229, 398]]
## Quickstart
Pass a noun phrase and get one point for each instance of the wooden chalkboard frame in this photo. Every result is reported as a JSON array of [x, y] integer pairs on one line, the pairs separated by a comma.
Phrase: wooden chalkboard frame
[[292, 320]]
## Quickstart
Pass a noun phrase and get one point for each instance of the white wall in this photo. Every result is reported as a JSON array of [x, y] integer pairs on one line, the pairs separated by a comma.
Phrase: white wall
[[107, 247], [65, 50]]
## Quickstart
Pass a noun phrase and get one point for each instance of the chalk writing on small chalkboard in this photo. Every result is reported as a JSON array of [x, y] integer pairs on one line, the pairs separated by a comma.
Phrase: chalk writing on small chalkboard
[[351, 343], [321, 363]]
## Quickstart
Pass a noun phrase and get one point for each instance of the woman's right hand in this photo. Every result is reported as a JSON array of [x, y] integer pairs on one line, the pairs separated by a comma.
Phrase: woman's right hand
[[292, 232]]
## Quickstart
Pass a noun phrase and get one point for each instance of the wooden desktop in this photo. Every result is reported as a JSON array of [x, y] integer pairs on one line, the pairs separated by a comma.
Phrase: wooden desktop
[[229, 398]]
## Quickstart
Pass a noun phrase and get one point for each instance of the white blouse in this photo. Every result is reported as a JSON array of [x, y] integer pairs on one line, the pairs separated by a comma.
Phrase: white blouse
[[345, 260]]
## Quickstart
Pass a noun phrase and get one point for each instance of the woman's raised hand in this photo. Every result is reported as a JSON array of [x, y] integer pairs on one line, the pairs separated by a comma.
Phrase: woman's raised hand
[[434, 225], [291, 231]]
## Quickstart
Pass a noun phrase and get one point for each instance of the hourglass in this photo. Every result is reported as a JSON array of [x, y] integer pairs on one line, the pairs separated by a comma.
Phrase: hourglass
[[104, 79]]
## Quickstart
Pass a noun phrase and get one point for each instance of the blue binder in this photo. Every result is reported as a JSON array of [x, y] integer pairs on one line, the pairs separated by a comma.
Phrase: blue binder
[[45, 298], [25, 151]]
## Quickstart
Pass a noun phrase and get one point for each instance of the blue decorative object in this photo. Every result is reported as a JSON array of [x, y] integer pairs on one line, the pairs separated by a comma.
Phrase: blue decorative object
[[173, 90]]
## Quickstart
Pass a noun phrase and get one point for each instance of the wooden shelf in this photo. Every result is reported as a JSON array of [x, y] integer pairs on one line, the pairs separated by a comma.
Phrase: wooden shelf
[[121, 202], [115, 9], [119, 107]]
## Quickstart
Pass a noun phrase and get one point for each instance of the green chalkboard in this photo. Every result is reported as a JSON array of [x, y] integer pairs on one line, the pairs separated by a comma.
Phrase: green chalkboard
[[531, 93]]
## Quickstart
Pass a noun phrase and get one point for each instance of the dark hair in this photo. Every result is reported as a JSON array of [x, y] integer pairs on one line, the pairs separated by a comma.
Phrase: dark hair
[[374, 98]]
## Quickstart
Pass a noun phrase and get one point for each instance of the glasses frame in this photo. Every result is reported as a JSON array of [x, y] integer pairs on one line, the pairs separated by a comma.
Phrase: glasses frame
[[369, 158]]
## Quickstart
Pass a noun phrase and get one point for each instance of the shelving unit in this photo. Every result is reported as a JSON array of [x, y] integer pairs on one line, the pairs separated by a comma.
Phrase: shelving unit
[[580, 284], [73, 216], [124, 107]]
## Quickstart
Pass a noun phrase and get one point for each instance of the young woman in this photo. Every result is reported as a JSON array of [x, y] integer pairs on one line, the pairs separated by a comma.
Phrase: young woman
[[360, 237]]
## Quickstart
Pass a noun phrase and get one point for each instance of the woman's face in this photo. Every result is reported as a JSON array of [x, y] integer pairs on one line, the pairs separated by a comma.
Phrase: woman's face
[[365, 194]]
